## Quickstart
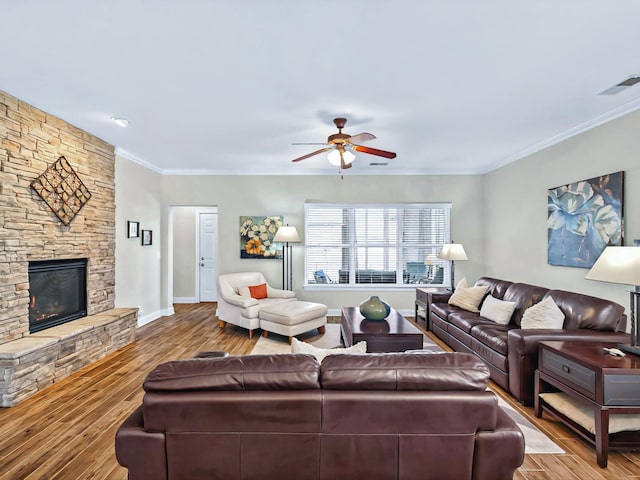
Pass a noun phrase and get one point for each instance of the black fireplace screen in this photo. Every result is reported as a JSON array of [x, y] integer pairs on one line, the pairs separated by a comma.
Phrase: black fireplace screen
[[57, 292]]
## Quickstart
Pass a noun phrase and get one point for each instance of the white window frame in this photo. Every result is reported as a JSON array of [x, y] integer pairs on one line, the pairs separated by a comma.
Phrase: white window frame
[[352, 247]]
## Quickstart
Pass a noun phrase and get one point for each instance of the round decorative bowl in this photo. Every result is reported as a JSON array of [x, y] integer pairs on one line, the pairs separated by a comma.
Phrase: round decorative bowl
[[374, 308]]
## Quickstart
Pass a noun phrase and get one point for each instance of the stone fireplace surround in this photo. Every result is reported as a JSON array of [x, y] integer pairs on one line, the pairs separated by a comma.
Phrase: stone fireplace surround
[[30, 140]]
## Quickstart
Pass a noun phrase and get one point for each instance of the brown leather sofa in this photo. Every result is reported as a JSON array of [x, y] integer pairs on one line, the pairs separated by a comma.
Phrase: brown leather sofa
[[511, 353], [375, 416]]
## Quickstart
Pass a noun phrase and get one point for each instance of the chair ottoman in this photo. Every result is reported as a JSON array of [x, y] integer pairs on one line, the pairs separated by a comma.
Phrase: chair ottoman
[[292, 318]]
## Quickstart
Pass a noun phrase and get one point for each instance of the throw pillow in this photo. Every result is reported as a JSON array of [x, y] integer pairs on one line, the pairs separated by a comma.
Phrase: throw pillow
[[462, 283], [258, 291], [499, 311], [254, 291], [544, 314], [301, 347], [468, 298]]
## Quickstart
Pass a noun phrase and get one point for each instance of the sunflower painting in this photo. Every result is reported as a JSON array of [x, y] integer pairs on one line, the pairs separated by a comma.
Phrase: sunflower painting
[[256, 237], [583, 218]]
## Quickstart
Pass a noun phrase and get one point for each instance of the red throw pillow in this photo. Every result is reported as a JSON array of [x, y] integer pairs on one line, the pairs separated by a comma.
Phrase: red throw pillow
[[258, 291]]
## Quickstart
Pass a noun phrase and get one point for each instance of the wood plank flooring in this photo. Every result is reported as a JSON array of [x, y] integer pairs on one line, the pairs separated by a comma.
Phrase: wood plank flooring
[[67, 430]]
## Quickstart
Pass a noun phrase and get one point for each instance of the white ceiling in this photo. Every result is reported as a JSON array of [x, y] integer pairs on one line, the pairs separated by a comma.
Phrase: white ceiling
[[222, 86]]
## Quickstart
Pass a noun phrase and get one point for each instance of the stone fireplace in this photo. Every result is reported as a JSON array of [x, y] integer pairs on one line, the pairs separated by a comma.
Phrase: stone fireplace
[[30, 141]]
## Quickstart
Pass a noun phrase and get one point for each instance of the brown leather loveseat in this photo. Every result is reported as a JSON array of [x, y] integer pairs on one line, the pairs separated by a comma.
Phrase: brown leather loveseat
[[375, 416], [511, 353]]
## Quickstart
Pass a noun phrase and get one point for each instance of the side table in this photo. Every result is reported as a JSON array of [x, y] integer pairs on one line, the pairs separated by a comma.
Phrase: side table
[[587, 374], [424, 298]]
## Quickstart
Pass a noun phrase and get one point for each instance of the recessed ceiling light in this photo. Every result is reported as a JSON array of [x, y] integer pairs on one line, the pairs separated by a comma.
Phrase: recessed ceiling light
[[623, 85], [122, 122]]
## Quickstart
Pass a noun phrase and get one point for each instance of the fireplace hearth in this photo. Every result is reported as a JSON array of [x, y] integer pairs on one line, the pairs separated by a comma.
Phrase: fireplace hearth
[[57, 292]]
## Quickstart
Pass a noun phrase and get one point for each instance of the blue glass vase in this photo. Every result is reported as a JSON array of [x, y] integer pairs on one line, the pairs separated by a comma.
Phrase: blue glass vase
[[374, 308]]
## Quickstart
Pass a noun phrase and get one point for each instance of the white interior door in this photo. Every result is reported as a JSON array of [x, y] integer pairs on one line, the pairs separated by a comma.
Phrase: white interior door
[[208, 264]]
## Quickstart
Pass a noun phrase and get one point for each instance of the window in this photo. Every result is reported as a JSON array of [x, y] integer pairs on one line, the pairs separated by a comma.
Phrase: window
[[384, 245]]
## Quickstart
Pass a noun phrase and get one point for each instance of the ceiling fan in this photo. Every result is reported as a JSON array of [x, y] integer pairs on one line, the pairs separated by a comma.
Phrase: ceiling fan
[[340, 146]]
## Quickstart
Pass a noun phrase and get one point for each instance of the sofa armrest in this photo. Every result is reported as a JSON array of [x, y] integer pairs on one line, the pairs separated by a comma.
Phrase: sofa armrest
[[523, 342], [240, 301], [141, 452], [500, 452], [278, 293], [440, 297]]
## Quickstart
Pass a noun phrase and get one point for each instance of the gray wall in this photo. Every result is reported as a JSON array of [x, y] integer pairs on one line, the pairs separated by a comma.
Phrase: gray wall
[[184, 254], [138, 272], [285, 195], [500, 217], [516, 205]]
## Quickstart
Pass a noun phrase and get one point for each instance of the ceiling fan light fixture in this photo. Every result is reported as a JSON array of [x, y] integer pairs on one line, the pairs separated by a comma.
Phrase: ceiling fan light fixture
[[334, 157]]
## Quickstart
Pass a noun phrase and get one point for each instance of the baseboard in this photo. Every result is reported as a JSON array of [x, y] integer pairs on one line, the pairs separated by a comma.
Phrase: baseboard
[[185, 300], [154, 316]]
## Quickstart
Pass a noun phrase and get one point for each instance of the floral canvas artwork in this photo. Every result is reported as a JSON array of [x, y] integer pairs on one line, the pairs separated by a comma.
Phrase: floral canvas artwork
[[583, 218], [256, 237]]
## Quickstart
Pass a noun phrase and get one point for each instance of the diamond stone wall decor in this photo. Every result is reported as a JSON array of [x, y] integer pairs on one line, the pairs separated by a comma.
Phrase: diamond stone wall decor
[[62, 190]]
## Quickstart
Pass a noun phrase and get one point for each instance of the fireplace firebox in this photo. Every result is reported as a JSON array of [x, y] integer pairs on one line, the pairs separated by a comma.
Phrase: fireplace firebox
[[57, 292]]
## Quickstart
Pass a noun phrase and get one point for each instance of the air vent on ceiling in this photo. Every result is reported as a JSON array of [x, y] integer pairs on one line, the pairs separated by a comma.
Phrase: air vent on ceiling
[[378, 164], [623, 85]]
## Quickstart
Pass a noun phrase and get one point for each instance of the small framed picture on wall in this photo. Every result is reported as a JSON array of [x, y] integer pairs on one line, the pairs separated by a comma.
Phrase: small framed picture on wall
[[147, 237], [133, 229]]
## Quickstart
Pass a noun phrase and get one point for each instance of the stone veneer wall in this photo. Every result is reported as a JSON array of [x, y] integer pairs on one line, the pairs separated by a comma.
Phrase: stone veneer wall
[[30, 140]]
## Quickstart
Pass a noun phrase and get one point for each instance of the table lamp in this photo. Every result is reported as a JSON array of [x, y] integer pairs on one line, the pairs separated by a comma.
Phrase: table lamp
[[452, 252], [622, 265], [287, 235]]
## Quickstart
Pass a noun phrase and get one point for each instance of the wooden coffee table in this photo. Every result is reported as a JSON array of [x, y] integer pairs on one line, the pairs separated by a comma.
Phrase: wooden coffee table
[[393, 334]]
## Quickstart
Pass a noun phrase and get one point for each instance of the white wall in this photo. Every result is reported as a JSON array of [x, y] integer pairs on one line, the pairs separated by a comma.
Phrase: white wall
[[285, 195], [138, 272], [516, 205]]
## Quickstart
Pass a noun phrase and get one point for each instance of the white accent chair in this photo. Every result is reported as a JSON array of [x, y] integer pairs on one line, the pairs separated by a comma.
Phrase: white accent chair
[[240, 310]]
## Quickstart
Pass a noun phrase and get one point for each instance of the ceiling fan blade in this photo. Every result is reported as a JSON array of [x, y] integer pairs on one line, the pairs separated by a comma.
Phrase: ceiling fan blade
[[373, 151], [361, 137], [317, 152], [343, 165]]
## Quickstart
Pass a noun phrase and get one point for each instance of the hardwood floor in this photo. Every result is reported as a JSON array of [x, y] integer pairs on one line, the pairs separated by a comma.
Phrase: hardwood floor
[[67, 430]]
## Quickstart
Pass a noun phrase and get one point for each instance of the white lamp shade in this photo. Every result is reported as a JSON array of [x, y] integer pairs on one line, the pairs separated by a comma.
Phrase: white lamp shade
[[431, 259], [617, 265], [334, 157], [452, 251], [287, 234]]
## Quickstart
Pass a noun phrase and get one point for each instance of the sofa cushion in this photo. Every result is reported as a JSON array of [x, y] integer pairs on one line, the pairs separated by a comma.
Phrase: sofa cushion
[[524, 295], [320, 353], [493, 336], [443, 310], [584, 311], [544, 314], [251, 372], [465, 321], [253, 311], [498, 311], [468, 298], [497, 287], [404, 371]]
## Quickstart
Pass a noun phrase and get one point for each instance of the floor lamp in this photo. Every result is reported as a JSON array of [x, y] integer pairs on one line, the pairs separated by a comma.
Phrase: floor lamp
[[287, 235], [622, 265], [452, 252]]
